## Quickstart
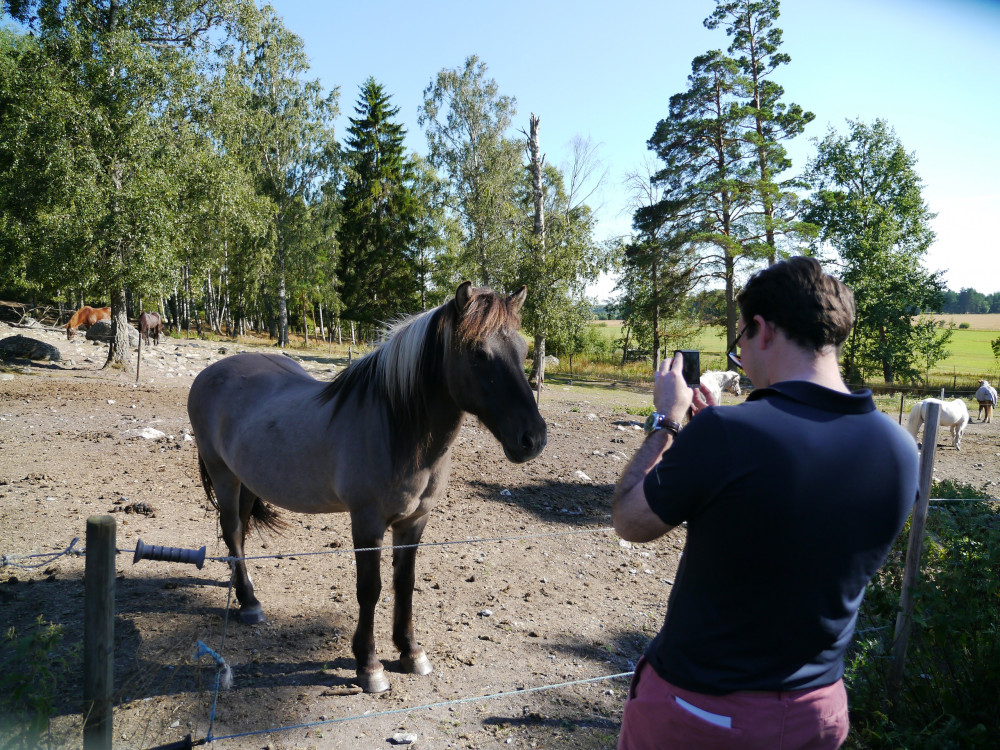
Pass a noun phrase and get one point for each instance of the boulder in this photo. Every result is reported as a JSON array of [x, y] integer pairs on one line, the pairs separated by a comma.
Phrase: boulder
[[22, 347], [102, 331]]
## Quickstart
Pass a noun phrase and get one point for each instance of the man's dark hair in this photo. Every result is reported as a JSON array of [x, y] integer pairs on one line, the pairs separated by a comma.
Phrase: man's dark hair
[[814, 309]]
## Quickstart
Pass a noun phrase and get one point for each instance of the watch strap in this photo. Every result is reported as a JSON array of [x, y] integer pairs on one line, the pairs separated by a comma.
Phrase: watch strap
[[659, 421]]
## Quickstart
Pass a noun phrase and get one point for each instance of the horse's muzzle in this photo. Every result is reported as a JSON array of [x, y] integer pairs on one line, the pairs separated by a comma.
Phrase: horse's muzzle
[[530, 444]]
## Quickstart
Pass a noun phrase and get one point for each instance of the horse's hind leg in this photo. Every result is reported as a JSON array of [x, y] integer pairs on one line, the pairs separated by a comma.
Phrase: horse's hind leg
[[412, 657], [371, 673], [235, 504]]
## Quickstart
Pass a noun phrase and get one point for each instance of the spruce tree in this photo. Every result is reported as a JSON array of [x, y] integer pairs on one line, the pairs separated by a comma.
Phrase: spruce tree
[[377, 272]]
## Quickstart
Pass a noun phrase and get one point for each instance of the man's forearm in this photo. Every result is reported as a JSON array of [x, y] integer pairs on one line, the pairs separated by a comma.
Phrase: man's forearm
[[648, 455]]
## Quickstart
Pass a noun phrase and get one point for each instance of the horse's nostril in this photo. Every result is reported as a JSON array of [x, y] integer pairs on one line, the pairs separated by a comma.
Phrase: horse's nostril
[[532, 442]]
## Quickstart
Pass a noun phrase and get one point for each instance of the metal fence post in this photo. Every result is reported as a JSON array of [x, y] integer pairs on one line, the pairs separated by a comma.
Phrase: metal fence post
[[98, 633], [914, 549]]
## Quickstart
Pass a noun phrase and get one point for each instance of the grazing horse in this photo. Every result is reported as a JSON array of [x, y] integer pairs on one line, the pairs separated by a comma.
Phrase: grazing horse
[[374, 442], [150, 322], [986, 395], [86, 316], [954, 414], [717, 381]]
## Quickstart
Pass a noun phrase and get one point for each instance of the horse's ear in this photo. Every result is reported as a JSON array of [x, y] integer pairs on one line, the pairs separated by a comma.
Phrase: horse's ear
[[462, 296], [516, 300]]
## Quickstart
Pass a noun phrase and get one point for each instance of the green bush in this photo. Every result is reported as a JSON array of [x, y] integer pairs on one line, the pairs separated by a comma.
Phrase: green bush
[[31, 666], [952, 673]]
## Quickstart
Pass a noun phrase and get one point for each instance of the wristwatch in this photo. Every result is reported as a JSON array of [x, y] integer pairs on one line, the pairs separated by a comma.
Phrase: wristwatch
[[657, 421]]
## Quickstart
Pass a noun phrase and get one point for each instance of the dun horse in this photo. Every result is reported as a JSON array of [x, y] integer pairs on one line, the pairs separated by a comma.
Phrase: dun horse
[[86, 316], [149, 322], [375, 442], [986, 395]]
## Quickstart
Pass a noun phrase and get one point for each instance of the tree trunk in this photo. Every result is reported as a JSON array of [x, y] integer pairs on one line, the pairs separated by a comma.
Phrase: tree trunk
[[886, 361], [732, 309], [538, 196], [282, 299], [656, 317], [119, 353]]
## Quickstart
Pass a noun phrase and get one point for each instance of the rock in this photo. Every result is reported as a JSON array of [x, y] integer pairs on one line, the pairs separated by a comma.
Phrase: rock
[[103, 331], [403, 738], [146, 432], [23, 347]]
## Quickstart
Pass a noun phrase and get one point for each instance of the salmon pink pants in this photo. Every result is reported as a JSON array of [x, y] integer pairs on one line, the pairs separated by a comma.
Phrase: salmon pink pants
[[661, 716]]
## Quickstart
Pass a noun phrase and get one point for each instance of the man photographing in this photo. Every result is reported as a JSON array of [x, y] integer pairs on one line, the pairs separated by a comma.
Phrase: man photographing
[[792, 500]]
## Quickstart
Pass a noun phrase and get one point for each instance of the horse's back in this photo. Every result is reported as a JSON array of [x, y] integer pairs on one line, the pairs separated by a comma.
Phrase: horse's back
[[243, 375], [953, 412]]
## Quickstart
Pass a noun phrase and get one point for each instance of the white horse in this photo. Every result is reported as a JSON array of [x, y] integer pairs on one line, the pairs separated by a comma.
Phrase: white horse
[[717, 381], [987, 398], [954, 414]]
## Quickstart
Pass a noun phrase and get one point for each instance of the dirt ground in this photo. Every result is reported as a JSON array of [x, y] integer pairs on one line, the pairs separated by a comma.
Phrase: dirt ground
[[532, 588]]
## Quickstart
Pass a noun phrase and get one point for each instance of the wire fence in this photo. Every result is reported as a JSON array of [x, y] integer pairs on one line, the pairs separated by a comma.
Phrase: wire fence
[[873, 641]]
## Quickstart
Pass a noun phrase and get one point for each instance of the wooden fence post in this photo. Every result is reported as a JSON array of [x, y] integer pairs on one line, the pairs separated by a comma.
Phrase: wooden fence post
[[914, 549], [98, 633]]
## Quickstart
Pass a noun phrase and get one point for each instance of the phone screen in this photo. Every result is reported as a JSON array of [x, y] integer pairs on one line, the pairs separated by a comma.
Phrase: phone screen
[[692, 366]]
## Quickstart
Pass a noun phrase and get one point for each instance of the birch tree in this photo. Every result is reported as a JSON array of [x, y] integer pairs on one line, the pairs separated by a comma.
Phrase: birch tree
[[466, 120], [127, 77]]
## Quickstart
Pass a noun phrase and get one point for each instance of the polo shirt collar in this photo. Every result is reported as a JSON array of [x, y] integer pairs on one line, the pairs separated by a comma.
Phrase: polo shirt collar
[[818, 396]]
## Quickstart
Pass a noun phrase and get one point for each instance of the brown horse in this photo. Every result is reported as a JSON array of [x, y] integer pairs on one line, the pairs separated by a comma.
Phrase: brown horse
[[86, 316], [375, 442], [150, 322]]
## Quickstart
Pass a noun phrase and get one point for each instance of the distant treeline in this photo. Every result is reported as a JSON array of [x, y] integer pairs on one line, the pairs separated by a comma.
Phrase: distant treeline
[[710, 306], [969, 301]]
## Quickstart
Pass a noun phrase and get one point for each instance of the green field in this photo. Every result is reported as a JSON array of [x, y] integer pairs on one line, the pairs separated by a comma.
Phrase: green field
[[970, 354]]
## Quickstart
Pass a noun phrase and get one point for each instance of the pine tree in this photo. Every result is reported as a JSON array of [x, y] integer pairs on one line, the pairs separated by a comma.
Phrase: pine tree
[[708, 175], [377, 273], [768, 120]]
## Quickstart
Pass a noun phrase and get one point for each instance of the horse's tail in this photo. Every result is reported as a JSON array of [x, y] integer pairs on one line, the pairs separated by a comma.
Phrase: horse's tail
[[262, 514], [206, 482]]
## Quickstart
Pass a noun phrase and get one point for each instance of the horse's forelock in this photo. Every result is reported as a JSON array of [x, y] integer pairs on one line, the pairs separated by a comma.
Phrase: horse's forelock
[[486, 315]]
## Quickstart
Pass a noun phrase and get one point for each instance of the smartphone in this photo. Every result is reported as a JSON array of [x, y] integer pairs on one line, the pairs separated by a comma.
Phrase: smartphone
[[692, 366]]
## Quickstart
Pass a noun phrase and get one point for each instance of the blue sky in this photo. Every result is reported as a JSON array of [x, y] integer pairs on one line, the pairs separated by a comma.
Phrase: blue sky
[[606, 70]]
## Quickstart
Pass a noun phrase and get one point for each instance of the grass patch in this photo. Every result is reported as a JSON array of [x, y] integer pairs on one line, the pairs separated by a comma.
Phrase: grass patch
[[970, 355]]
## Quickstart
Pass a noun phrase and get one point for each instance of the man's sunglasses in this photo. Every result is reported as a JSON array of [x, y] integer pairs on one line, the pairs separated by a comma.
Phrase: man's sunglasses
[[731, 352]]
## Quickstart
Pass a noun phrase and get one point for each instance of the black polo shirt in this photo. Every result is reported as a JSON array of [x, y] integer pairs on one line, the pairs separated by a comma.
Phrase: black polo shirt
[[792, 501]]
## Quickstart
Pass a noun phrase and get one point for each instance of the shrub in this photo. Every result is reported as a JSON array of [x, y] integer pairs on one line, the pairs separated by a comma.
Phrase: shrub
[[30, 669], [953, 657]]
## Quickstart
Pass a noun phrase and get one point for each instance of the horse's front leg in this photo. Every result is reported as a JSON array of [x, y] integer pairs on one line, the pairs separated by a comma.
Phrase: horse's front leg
[[412, 657], [371, 674]]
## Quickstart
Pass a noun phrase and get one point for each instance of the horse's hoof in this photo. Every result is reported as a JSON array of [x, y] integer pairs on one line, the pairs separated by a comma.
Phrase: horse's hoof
[[416, 664], [373, 682], [252, 615]]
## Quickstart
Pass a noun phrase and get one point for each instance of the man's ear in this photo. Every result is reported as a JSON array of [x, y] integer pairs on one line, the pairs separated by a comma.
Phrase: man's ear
[[766, 330]]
